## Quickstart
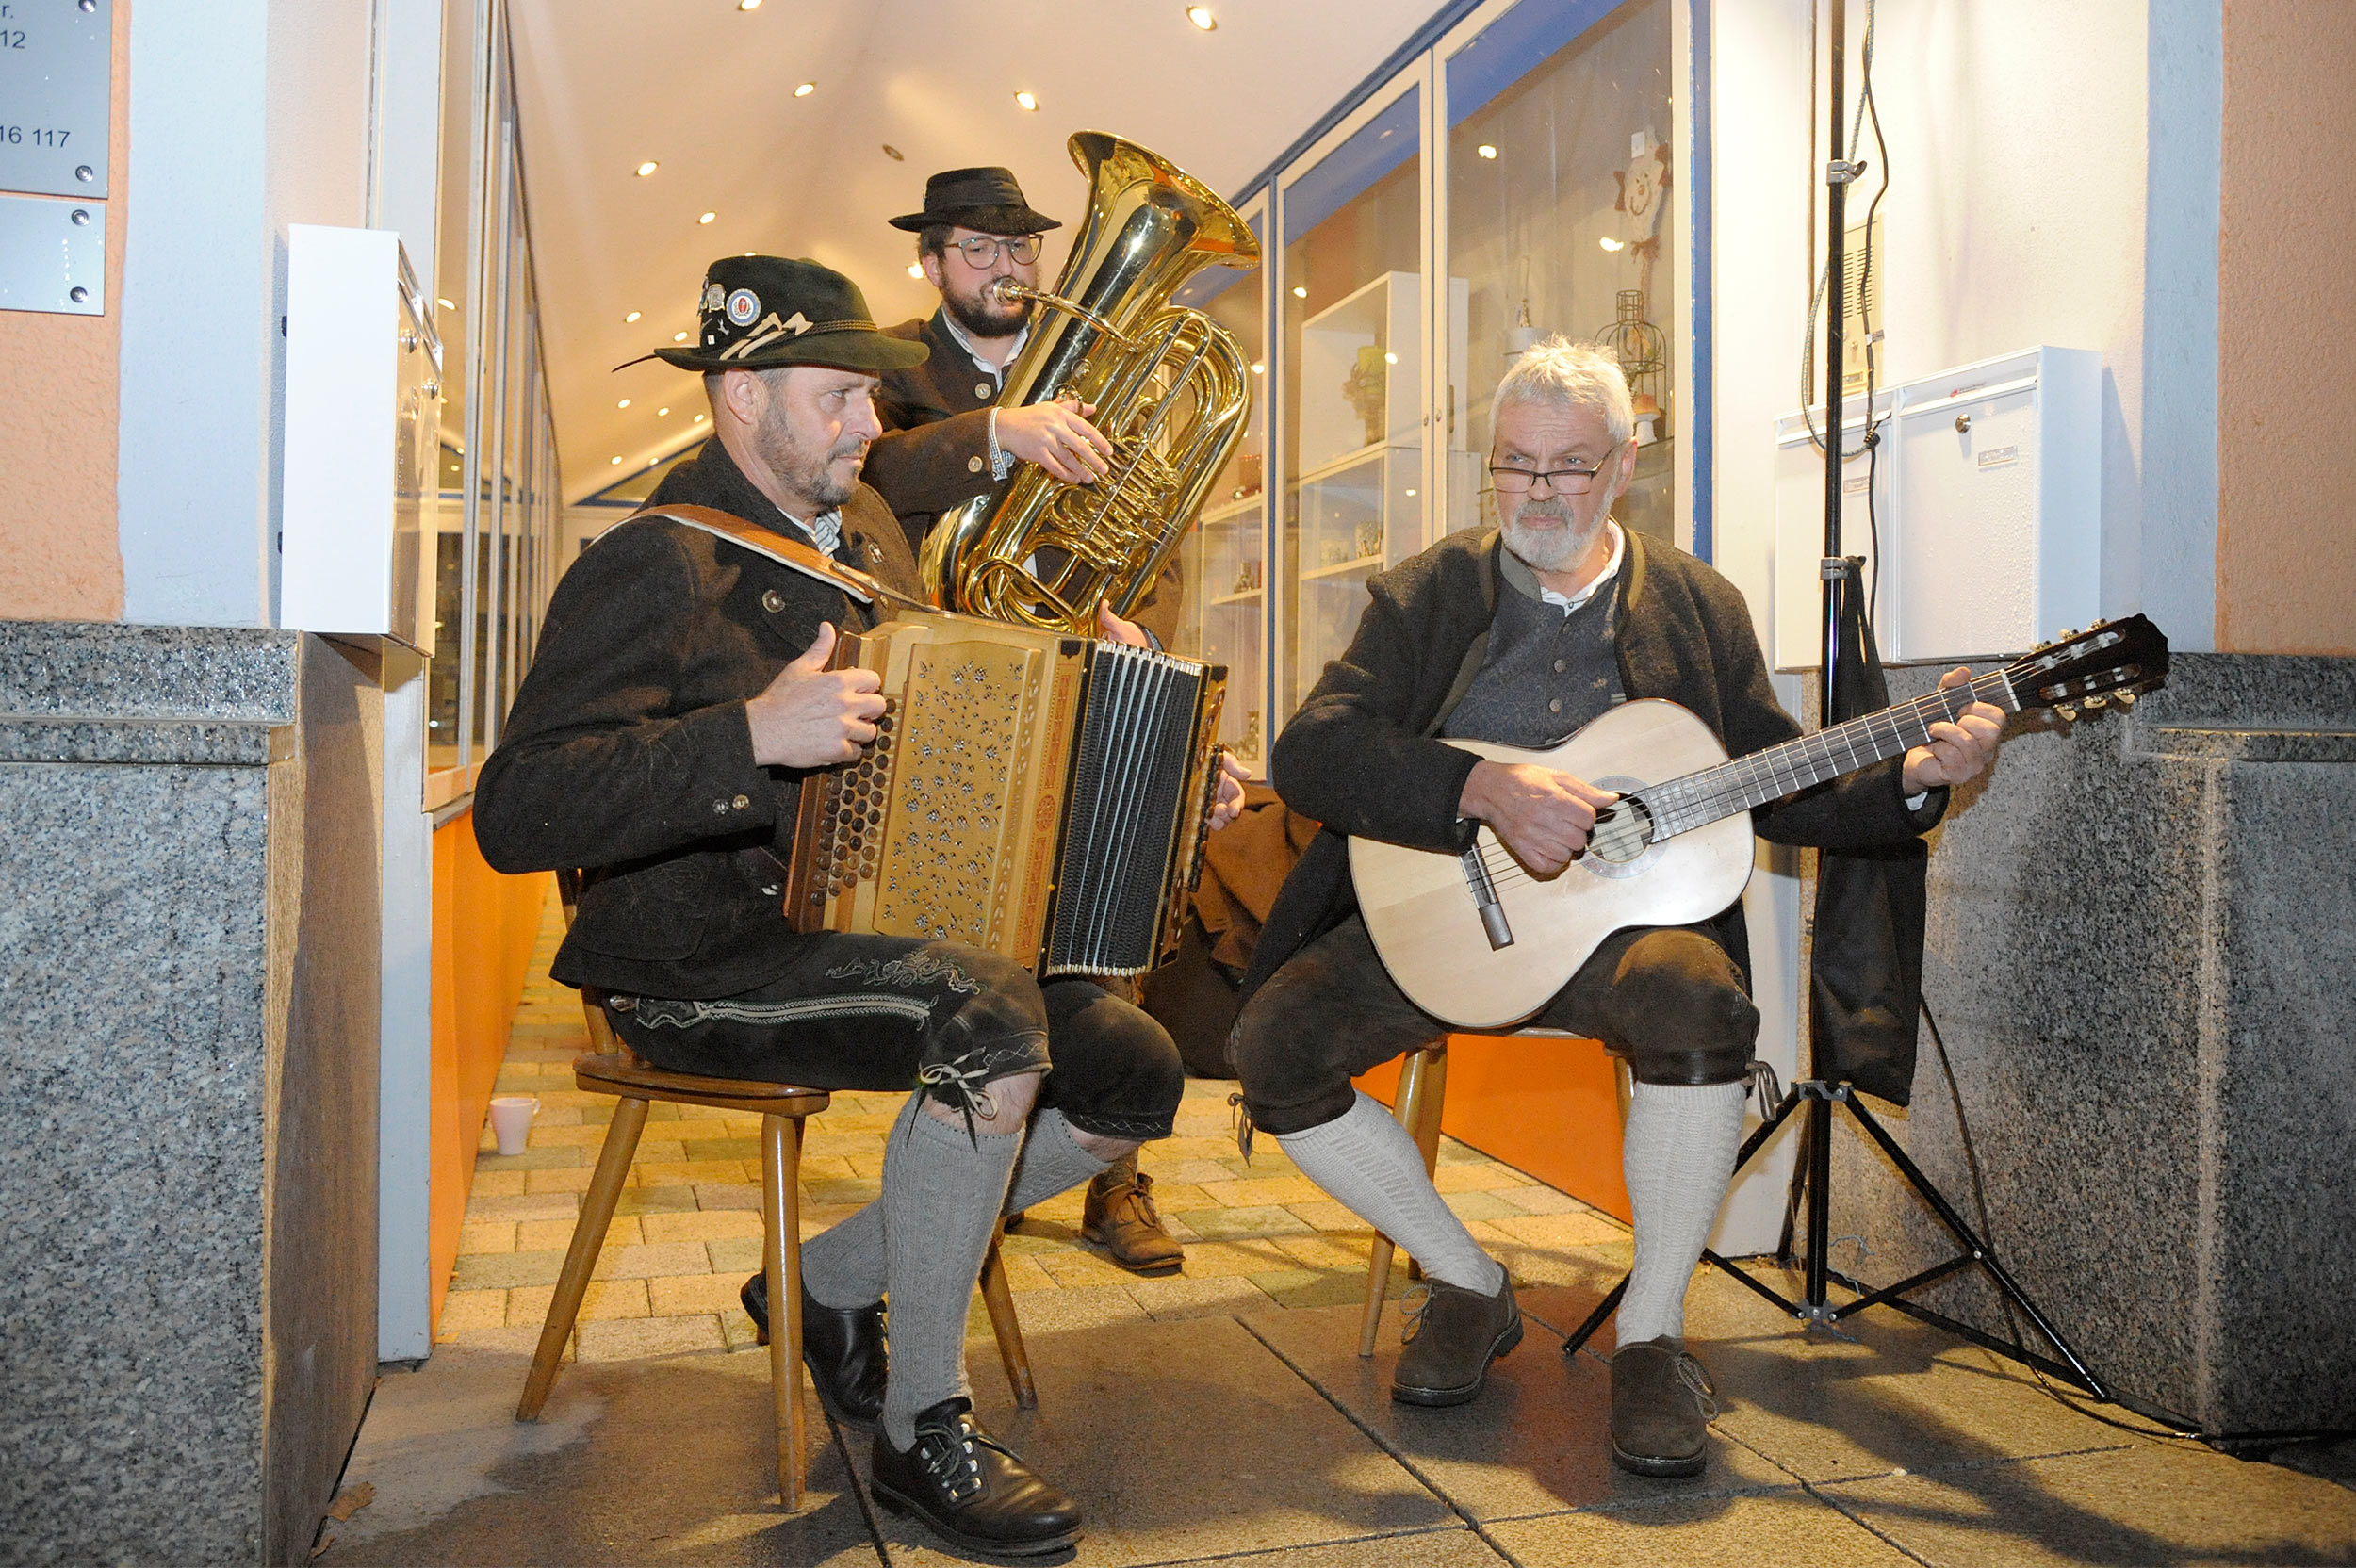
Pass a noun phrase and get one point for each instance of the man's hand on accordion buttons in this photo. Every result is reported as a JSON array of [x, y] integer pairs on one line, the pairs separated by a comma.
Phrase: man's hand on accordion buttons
[[1229, 806], [812, 715]]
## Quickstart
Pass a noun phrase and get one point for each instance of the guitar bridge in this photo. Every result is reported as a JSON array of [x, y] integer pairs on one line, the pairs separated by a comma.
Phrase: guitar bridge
[[1484, 897]]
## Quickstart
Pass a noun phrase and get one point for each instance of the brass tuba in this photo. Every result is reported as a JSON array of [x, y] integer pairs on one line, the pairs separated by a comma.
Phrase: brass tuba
[[1171, 391]]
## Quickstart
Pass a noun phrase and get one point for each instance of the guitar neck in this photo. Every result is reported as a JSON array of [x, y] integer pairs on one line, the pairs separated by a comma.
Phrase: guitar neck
[[1678, 804]]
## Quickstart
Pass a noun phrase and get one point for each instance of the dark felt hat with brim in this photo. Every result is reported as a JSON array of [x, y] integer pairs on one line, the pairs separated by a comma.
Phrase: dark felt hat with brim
[[985, 200], [757, 313]]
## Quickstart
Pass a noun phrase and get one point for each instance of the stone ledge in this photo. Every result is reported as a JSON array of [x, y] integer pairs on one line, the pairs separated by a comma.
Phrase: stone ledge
[[92, 669], [142, 740]]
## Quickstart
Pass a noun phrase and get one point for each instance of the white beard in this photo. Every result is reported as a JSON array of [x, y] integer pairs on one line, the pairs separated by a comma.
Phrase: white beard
[[1552, 549]]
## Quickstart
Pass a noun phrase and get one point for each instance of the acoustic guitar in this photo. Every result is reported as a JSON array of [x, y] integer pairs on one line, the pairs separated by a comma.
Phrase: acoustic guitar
[[1480, 940]]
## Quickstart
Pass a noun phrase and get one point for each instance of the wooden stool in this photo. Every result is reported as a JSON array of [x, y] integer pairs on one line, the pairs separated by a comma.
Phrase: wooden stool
[[1422, 1098], [611, 1067]]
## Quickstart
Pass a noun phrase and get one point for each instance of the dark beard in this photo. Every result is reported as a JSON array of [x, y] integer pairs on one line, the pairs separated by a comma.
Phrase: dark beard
[[804, 469], [987, 316]]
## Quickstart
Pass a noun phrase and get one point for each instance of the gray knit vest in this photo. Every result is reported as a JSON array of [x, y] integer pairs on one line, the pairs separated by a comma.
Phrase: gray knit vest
[[1545, 673]]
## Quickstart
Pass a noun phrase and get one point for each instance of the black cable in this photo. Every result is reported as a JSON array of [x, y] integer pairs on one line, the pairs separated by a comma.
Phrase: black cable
[[1988, 1233], [1867, 108]]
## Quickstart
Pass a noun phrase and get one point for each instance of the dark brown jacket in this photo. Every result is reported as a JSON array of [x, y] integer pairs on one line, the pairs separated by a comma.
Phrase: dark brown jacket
[[934, 453], [627, 751], [1363, 757]]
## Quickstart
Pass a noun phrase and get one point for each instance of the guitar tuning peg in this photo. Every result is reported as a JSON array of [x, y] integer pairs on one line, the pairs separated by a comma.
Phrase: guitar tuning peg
[[2069, 715], [2097, 700], [2125, 698], [2066, 636]]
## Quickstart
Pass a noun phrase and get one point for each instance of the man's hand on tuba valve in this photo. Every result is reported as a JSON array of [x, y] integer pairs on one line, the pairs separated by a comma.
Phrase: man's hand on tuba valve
[[1057, 436]]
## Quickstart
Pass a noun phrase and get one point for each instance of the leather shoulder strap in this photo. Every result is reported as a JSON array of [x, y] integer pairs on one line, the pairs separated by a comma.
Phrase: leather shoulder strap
[[804, 559]]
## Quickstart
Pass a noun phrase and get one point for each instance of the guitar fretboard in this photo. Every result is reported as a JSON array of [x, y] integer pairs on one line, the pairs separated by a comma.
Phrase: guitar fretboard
[[1698, 798]]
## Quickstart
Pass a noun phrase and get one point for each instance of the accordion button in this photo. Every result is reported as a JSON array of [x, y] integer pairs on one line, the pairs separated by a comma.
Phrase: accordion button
[[773, 602]]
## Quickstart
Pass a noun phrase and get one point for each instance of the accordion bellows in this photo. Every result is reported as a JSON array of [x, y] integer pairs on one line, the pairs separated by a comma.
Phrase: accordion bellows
[[1040, 795]]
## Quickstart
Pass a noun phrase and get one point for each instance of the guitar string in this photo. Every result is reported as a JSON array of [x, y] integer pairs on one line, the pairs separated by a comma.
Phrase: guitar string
[[1760, 776]]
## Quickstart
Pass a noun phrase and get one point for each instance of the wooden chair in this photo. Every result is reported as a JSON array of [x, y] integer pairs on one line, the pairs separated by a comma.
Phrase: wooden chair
[[611, 1067], [1422, 1098]]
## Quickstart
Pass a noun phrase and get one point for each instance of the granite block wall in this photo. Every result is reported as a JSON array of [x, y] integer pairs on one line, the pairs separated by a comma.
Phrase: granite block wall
[[188, 943], [2138, 949]]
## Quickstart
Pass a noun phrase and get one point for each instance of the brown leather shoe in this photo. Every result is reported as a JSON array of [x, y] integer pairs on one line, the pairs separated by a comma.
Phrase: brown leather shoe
[[1119, 1216], [1662, 1406]]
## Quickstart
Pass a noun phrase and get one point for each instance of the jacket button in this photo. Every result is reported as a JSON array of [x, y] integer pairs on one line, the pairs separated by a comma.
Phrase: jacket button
[[1561, 664], [982, 390], [1555, 707], [972, 464], [773, 602], [741, 802]]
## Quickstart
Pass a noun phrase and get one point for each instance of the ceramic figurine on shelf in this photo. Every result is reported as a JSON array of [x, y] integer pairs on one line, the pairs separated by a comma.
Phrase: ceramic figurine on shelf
[[1364, 390], [1247, 745], [1369, 538], [1331, 552]]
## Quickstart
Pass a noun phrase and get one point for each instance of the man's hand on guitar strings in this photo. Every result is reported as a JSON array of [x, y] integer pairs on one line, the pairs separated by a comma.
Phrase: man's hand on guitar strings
[[1956, 751], [1542, 816], [812, 715]]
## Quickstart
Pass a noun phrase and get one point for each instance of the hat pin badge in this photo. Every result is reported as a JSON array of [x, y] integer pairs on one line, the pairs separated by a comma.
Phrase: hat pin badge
[[744, 305]]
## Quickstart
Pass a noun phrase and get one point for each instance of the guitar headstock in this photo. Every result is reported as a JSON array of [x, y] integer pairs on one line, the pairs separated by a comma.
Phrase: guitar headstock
[[2110, 663]]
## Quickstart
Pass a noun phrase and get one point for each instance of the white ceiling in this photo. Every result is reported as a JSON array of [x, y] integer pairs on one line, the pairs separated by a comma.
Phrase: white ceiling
[[706, 90]]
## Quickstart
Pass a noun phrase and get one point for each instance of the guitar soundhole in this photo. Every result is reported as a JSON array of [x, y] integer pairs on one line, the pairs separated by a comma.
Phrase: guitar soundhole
[[1629, 833]]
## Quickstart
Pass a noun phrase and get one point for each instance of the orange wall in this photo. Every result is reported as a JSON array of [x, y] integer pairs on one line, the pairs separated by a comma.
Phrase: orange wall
[[484, 928], [1548, 1108], [60, 555], [2286, 331]]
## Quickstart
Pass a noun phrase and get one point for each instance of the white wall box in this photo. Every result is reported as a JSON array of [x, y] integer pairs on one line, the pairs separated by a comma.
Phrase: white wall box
[[1990, 512], [362, 395]]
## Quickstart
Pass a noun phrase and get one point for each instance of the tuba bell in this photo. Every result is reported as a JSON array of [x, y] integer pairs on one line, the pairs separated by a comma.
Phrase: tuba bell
[[1171, 394]]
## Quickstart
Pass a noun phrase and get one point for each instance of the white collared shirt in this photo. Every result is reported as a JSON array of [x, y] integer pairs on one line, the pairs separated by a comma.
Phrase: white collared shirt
[[997, 373], [826, 532]]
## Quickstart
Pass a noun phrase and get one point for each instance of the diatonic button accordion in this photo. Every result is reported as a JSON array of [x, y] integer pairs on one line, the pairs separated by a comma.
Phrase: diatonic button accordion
[[1041, 795]]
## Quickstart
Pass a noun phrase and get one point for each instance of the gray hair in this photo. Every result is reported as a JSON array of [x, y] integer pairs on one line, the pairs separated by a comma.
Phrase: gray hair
[[1560, 373]]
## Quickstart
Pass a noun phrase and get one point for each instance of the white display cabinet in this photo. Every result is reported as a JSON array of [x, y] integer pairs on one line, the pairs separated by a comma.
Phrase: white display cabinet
[[363, 407], [1226, 618], [1359, 492], [1989, 496]]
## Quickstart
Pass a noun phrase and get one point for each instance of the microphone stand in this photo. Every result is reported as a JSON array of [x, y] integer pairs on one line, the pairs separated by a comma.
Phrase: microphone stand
[[1812, 1179]]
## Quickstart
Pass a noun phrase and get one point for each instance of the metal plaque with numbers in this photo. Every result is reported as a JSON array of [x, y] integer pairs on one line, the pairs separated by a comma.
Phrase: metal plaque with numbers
[[56, 93], [53, 256]]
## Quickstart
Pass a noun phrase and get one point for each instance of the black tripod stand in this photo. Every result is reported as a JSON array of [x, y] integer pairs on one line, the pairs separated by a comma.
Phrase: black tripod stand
[[1812, 1184]]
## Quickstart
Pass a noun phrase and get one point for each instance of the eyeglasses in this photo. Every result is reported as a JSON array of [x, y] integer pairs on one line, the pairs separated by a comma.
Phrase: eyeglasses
[[982, 249], [1564, 481]]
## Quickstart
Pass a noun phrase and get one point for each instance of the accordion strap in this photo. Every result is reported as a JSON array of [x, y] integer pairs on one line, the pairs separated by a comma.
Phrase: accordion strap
[[785, 551]]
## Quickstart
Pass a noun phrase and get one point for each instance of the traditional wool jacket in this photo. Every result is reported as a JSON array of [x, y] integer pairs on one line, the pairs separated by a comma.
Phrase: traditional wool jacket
[[1361, 755], [628, 752]]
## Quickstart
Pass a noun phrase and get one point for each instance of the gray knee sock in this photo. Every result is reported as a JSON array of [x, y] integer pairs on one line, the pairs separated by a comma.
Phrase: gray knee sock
[[942, 1193], [1677, 1154], [844, 1264], [1052, 1162], [1372, 1167]]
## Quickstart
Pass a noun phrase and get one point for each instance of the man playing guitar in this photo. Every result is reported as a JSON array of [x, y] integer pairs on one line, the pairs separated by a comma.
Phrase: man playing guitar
[[1521, 637]]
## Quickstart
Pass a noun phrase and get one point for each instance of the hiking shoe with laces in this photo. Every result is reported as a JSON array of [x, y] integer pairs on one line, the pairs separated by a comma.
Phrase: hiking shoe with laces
[[1661, 1404], [1452, 1336], [1122, 1217], [970, 1489]]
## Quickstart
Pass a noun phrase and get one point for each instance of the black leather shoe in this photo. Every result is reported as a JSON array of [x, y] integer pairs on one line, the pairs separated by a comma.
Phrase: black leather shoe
[[1662, 1402], [970, 1489], [1451, 1336], [842, 1346]]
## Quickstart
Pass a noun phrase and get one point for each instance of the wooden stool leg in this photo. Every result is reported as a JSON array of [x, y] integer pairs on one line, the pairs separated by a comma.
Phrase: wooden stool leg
[[1422, 1089], [999, 1299], [581, 1258], [781, 1262]]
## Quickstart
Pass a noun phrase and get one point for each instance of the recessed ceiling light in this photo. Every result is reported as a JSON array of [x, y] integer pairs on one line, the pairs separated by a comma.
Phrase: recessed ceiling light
[[804, 89], [445, 304], [894, 153], [624, 403], [916, 269], [1259, 370], [1486, 150], [617, 460], [699, 418], [748, 5], [679, 337], [707, 217], [1200, 16], [1025, 101], [1610, 244], [647, 167], [661, 412], [632, 316], [1300, 291]]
